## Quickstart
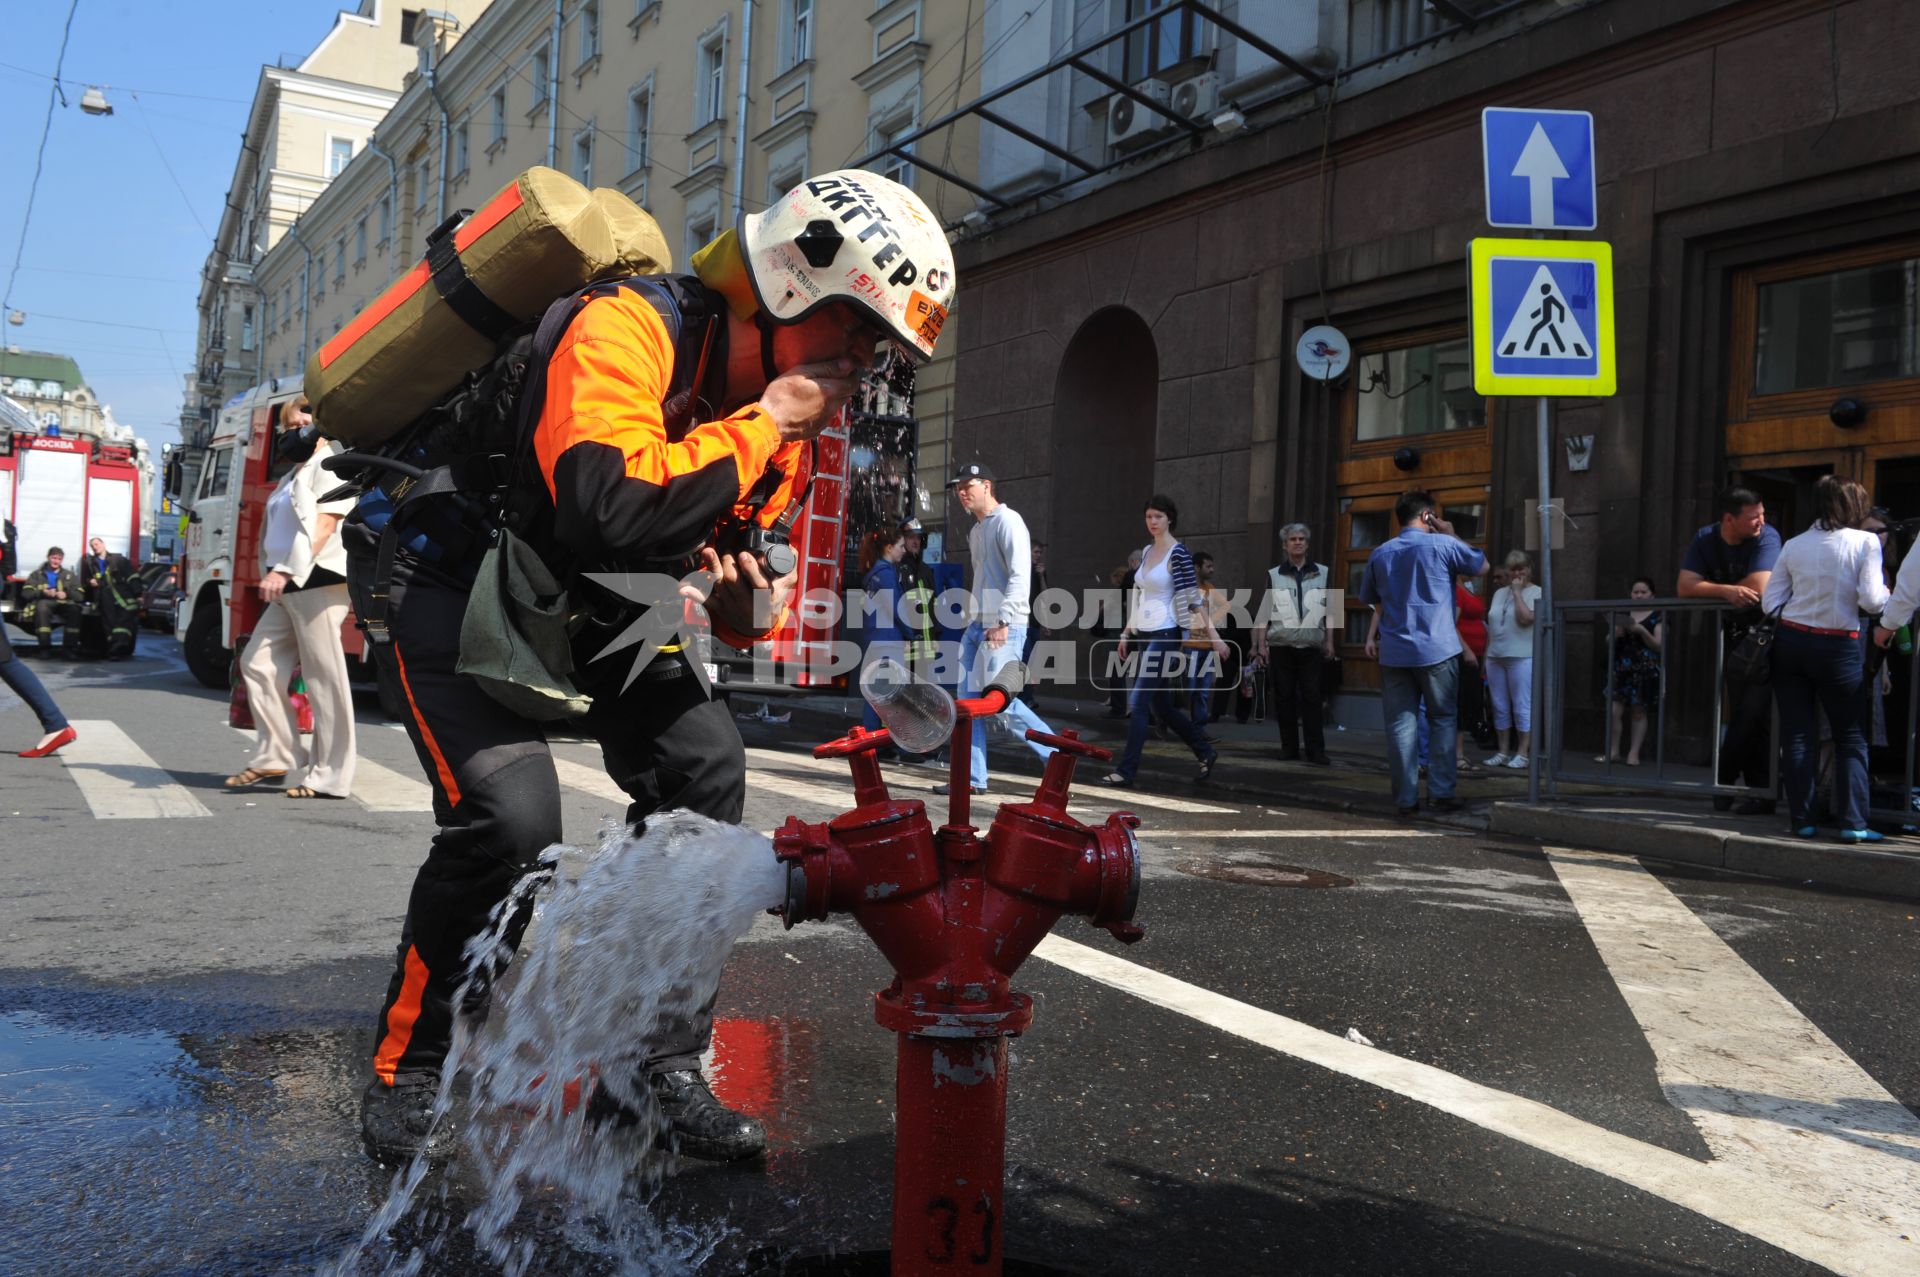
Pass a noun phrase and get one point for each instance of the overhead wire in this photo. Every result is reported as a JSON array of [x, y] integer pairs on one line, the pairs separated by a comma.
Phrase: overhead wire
[[158, 93], [165, 164], [40, 154]]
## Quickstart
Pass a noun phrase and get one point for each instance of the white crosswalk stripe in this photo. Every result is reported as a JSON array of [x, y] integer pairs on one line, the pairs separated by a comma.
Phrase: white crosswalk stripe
[[381, 788], [118, 778]]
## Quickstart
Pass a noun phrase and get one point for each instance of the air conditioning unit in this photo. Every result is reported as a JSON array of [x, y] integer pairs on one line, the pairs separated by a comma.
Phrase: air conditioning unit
[[1198, 98], [1131, 123]]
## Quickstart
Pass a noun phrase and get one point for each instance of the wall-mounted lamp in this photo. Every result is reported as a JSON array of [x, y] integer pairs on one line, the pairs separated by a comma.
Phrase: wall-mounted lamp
[[1229, 121], [1407, 459], [1847, 413], [974, 220]]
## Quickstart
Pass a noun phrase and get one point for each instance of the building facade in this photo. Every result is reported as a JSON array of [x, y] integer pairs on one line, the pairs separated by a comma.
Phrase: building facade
[[305, 126], [51, 390], [697, 112], [1134, 331]]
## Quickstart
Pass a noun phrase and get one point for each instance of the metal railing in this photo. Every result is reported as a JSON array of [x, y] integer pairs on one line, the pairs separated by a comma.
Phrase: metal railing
[[1686, 721]]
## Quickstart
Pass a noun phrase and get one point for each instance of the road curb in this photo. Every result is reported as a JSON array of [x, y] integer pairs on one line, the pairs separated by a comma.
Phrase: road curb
[[1866, 869]]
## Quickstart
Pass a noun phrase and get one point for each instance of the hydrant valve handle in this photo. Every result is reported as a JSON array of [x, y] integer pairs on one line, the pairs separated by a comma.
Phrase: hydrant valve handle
[[857, 741], [1069, 742]]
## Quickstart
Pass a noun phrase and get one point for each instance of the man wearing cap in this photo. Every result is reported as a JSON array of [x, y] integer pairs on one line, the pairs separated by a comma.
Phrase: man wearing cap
[[1000, 607]]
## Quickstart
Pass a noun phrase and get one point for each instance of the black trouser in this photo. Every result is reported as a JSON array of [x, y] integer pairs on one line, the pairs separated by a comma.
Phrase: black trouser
[[496, 798], [1748, 746], [1472, 701], [48, 613], [1295, 676]]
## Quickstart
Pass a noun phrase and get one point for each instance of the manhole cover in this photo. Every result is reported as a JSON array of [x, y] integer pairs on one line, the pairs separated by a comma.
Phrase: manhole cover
[[1263, 875]]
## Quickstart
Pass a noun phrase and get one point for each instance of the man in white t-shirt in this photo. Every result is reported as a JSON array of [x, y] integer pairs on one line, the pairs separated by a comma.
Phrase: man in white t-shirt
[[1001, 605]]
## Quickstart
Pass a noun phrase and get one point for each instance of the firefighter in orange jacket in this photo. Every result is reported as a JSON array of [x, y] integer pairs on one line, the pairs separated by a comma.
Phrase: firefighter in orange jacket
[[801, 298]]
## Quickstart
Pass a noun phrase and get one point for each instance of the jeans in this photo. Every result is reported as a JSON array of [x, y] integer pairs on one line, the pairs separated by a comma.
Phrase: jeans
[[28, 687], [1295, 673], [1402, 688], [1201, 686], [1813, 672], [978, 664], [1153, 693]]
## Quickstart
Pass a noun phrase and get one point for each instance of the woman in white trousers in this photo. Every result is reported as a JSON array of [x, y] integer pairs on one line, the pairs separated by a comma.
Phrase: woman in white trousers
[[303, 583]]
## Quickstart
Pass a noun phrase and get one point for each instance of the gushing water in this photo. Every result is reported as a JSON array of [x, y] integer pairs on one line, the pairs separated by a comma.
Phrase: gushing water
[[626, 944]]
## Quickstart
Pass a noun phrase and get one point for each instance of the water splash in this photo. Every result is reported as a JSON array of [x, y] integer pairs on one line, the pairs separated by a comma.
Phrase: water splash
[[626, 943]]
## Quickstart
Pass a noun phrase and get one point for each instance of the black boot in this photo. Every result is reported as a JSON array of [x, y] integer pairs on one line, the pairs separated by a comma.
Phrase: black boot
[[396, 1122], [694, 1124]]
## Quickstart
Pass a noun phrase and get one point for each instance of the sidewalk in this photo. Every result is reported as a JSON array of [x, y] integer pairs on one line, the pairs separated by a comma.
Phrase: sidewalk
[[1593, 816]]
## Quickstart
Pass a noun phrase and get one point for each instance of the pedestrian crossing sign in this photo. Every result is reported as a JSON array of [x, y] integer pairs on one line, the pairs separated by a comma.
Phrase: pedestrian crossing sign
[[1542, 317]]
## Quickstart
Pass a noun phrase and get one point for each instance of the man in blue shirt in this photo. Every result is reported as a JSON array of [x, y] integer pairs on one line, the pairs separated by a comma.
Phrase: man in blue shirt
[[1410, 581], [1731, 561]]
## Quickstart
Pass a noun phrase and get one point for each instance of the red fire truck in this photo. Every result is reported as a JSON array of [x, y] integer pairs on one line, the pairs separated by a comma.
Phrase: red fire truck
[[62, 491]]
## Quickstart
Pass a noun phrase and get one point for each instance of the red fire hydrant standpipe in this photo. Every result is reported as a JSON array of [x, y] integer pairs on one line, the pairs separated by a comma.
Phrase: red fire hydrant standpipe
[[956, 914]]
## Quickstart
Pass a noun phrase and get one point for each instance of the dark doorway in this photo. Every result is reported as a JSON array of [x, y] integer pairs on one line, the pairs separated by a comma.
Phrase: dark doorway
[[1104, 407], [1787, 492]]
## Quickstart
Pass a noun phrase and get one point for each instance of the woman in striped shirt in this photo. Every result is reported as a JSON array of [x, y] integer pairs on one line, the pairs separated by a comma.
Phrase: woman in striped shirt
[[1166, 598]]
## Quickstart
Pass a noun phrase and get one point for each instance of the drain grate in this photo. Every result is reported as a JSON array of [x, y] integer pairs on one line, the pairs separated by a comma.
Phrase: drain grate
[[1260, 874]]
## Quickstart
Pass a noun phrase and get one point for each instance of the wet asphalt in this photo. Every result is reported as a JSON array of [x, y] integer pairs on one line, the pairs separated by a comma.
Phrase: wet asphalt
[[186, 1014]]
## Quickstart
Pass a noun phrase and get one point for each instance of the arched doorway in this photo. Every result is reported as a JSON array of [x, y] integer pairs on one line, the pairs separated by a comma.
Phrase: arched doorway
[[1105, 402]]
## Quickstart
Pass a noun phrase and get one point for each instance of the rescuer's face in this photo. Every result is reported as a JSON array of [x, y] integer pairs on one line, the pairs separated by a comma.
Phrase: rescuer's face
[[835, 332]]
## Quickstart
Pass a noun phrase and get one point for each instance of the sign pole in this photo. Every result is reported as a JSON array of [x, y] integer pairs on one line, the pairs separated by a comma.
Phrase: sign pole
[[1543, 616]]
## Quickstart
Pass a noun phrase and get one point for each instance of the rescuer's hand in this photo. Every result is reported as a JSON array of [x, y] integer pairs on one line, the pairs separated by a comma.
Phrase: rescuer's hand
[[738, 594], [803, 399]]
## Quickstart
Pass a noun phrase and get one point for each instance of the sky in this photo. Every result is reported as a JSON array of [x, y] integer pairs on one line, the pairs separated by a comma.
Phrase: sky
[[127, 204]]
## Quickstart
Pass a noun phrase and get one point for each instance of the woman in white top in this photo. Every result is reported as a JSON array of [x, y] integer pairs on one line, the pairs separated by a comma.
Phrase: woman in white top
[[1510, 662], [304, 584], [1825, 579]]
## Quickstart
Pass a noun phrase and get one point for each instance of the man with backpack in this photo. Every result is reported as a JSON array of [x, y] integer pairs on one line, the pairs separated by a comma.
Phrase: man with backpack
[[675, 412]]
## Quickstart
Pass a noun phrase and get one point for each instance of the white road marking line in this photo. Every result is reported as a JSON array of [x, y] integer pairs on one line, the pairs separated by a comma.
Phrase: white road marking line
[[1168, 835], [118, 779], [1719, 1191], [589, 780], [904, 778], [1768, 1090], [381, 788]]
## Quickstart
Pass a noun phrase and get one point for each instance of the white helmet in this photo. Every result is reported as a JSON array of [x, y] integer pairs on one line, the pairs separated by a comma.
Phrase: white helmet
[[856, 237]]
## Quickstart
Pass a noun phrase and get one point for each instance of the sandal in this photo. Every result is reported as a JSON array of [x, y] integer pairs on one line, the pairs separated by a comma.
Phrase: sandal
[[1116, 780], [1206, 769], [253, 776], [303, 791]]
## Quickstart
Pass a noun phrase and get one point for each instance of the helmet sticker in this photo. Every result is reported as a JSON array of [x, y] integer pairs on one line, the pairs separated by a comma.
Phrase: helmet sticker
[[925, 316]]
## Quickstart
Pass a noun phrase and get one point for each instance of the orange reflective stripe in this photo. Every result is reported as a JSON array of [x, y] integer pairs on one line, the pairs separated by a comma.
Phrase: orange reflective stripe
[[401, 1017], [447, 784], [605, 384]]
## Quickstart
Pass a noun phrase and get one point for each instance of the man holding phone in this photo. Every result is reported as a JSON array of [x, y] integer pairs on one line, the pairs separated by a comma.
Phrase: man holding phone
[[1409, 581]]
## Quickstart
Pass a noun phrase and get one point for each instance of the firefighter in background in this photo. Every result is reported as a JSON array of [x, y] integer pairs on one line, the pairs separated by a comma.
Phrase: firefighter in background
[[779, 319], [53, 592], [113, 593]]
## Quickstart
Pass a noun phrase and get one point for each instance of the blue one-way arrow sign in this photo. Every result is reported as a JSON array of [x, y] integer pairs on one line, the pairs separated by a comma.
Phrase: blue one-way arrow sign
[[1539, 168]]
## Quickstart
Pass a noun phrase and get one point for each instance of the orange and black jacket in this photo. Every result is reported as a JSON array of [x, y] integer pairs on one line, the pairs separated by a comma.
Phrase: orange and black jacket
[[623, 488]]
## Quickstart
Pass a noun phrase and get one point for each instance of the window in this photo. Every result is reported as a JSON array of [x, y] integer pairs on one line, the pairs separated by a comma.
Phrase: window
[[589, 31], [497, 129], [409, 25], [700, 232], [286, 305], [583, 156], [340, 260], [360, 241], [1159, 45], [710, 85], [639, 126], [386, 220], [539, 68], [266, 315], [246, 328], [1417, 390], [213, 481], [1838, 328], [890, 165], [424, 180], [339, 155], [460, 134], [799, 32]]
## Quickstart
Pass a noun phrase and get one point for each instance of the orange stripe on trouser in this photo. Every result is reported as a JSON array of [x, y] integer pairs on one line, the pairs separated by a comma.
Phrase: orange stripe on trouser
[[447, 783], [401, 1018]]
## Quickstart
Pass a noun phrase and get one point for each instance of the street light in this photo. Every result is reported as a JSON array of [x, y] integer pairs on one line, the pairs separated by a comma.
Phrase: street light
[[94, 102]]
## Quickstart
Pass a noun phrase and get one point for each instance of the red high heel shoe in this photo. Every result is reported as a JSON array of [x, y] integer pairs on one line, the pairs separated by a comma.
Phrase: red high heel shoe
[[66, 736]]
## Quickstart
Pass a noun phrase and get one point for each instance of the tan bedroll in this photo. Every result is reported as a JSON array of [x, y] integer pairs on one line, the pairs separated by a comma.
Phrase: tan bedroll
[[543, 236]]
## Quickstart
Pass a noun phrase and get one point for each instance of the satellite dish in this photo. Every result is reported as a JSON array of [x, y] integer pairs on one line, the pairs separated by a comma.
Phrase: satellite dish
[[1323, 352]]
